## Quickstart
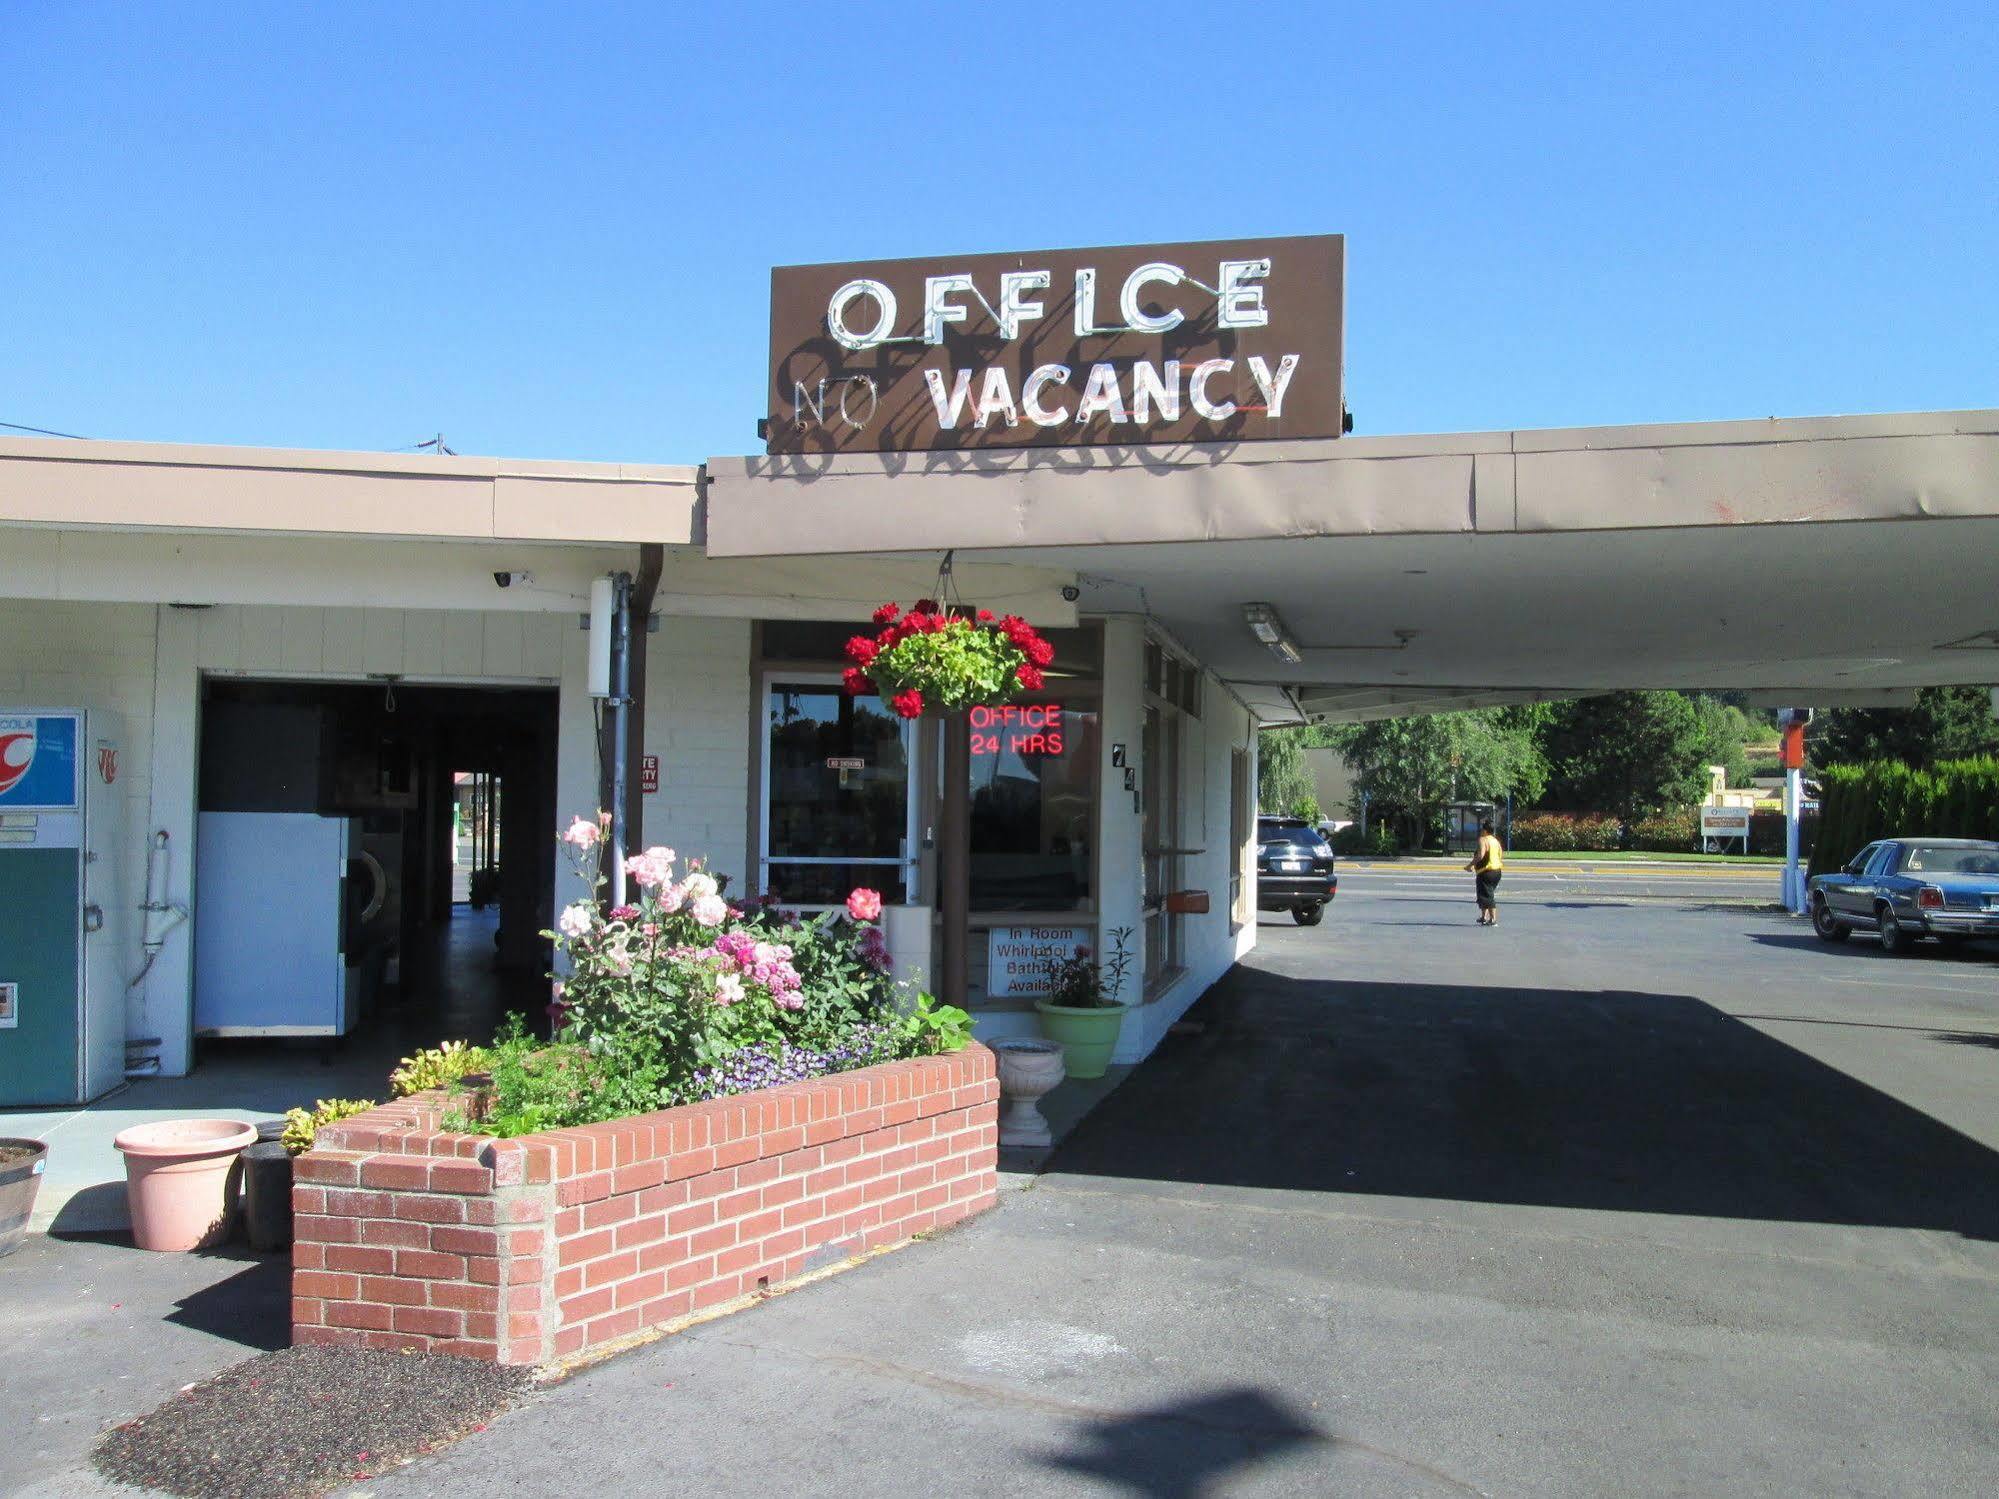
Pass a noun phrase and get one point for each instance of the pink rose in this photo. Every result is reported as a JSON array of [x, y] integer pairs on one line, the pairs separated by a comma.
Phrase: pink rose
[[864, 904], [709, 910], [582, 835]]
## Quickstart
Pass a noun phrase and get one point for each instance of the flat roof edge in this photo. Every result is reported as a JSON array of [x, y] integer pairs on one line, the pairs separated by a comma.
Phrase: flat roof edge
[[336, 460]]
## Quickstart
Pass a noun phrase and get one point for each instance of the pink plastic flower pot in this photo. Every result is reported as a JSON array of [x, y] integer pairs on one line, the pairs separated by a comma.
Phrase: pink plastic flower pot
[[177, 1180]]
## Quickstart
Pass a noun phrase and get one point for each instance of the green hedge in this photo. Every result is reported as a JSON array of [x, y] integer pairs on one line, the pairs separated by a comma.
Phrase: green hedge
[[1886, 799], [1566, 832], [1673, 832], [1379, 842]]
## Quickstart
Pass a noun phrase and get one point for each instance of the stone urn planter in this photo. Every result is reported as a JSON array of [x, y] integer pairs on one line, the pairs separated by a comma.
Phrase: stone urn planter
[[178, 1180], [1028, 1069], [1088, 1034], [21, 1164]]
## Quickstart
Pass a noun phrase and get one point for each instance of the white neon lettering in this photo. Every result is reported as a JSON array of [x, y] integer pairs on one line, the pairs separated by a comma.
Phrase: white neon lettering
[[1149, 385], [1238, 304], [1197, 389], [936, 311], [949, 408], [1136, 316], [995, 399], [1030, 395], [1273, 386], [836, 314], [1101, 396], [1014, 308]]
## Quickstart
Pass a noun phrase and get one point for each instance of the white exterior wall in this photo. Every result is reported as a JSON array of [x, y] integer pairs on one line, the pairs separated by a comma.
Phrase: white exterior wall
[[1210, 945], [698, 723]]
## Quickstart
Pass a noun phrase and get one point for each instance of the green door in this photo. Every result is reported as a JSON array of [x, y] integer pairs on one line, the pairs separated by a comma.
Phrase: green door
[[38, 916]]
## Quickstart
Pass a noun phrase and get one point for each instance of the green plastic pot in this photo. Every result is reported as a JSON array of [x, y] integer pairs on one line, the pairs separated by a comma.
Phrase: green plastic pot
[[1088, 1036]]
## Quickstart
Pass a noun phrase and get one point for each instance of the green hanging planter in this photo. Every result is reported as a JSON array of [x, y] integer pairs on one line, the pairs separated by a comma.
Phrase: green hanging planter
[[1088, 1034]]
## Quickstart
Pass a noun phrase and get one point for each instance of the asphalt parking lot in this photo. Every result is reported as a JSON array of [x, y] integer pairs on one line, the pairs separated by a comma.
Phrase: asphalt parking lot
[[1634, 1194]]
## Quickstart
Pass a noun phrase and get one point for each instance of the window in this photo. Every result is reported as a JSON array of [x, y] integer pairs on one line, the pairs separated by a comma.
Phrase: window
[[836, 794], [1034, 806]]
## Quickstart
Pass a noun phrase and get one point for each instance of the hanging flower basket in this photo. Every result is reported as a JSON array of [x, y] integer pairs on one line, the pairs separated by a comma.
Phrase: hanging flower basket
[[943, 661]]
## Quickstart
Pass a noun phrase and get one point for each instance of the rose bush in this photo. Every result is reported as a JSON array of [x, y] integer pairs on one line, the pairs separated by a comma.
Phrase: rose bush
[[684, 996], [932, 659]]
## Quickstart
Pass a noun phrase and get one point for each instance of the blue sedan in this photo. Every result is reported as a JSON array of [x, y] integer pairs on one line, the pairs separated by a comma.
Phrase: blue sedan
[[1909, 888]]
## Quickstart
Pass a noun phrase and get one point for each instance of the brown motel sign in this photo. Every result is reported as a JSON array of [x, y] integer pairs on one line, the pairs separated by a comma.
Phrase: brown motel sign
[[1212, 342]]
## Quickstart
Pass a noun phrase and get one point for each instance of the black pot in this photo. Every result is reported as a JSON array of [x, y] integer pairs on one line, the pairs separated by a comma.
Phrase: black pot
[[267, 1196], [20, 1180]]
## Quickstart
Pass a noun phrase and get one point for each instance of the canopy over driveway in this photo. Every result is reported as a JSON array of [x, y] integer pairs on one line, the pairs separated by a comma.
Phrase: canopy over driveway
[[1826, 561]]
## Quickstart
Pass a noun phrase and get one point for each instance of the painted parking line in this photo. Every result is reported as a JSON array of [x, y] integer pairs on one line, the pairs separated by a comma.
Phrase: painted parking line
[[1976, 990]]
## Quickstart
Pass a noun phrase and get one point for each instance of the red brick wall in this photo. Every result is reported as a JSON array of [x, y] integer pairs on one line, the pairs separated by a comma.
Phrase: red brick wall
[[541, 1247]]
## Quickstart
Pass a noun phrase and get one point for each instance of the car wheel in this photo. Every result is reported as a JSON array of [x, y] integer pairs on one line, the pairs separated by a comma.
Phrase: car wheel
[[1308, 915], [1822, 923], [1895, 938]]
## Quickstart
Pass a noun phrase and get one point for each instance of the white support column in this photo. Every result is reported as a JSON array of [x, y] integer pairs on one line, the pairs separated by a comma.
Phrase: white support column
[[1120, 828], [165, 1005]]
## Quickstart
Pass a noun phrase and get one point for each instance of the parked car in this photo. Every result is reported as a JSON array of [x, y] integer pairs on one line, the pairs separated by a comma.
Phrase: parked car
[[1294, 869], [1909, 888]]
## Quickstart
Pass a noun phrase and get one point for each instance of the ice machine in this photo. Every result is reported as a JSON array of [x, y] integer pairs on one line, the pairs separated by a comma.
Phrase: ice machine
[[63, 908]]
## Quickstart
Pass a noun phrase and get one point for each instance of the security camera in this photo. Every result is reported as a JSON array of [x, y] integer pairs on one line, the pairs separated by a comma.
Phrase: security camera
[[507, 580], [1070, 593]]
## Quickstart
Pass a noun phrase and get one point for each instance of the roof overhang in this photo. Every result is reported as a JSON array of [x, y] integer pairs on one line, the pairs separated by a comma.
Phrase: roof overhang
[[1817, 559]]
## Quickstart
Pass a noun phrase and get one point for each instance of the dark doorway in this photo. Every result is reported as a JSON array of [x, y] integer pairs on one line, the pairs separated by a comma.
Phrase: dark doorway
[[439, 800]]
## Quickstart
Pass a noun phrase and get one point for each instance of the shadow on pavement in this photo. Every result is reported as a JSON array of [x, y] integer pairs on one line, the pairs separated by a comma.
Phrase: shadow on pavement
[[1179, 1451], [1615, 1100], [1864, 946], [252, 1307], [1195, 1447]]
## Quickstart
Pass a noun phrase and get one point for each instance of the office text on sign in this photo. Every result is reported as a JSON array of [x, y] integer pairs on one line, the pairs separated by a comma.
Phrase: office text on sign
[[1018, 729]]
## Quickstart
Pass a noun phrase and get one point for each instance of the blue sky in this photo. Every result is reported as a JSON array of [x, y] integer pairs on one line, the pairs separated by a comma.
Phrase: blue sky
[[547, 230]]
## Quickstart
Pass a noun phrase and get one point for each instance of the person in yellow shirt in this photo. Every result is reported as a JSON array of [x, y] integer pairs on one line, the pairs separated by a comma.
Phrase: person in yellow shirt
[[1486, 865]]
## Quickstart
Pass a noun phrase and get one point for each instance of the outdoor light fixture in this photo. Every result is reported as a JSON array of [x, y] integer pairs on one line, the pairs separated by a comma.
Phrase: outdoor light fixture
[[1266, 625]]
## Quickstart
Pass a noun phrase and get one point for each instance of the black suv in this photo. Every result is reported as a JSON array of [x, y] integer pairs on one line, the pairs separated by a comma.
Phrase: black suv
[[1294, 869]]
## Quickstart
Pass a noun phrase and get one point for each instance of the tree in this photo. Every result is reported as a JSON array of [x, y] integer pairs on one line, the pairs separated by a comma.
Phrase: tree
[[1412, 766], [1626, 753], [1284, 782], [1723, 731], [1947, 723]]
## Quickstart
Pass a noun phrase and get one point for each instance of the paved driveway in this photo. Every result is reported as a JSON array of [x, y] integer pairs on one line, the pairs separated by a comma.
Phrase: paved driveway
[[1627, 1197], [1636, 1194]]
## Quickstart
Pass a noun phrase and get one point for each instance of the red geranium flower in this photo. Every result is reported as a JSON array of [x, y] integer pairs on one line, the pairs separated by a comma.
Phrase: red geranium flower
[[909, 703], [985, 616], [856, 682], [1030, 676], [861, 650], [886, 613], [1039, 651]]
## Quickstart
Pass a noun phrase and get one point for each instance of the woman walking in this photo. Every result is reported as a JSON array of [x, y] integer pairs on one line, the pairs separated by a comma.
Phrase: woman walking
[[1486, 865]]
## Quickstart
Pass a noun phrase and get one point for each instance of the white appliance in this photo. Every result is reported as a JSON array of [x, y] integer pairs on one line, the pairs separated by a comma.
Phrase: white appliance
[[272, 915]]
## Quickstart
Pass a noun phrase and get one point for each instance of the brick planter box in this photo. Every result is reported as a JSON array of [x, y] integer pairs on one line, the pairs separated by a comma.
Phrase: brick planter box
[[542, 1247]]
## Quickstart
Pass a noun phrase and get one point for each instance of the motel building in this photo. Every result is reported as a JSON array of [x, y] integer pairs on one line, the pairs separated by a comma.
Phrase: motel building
[[286, 736]]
